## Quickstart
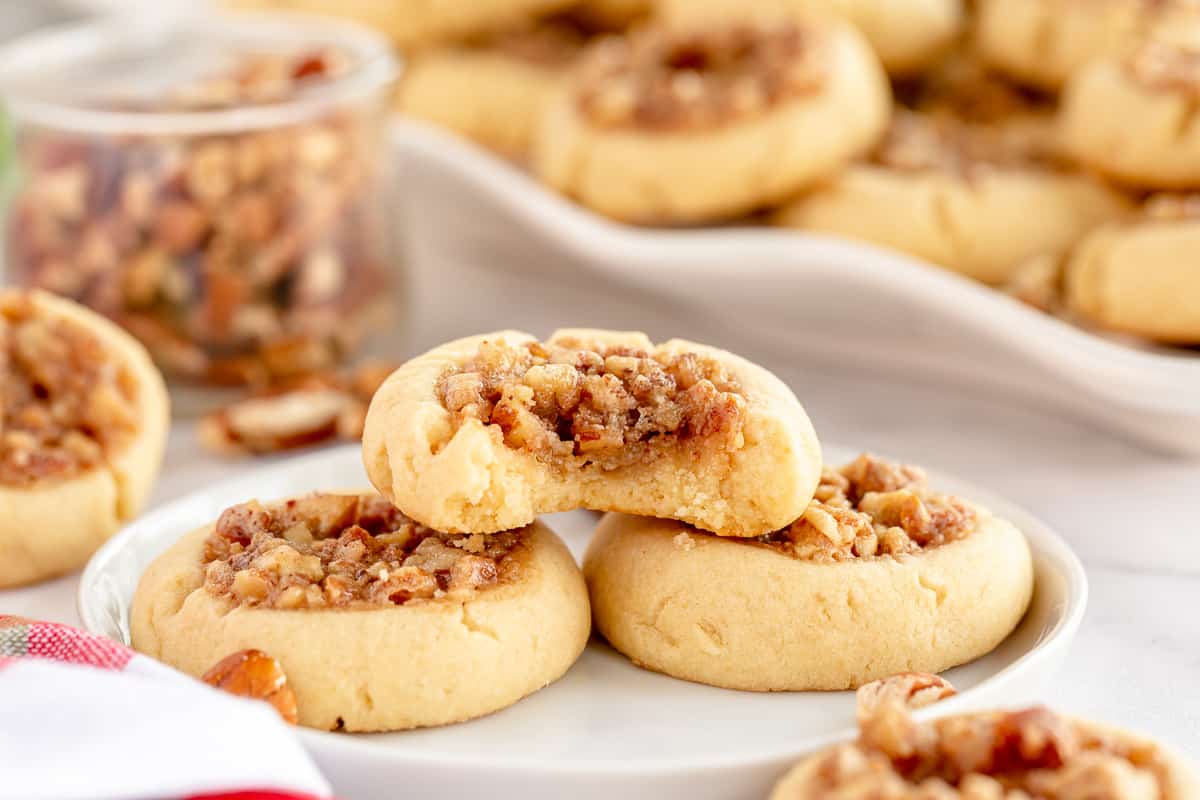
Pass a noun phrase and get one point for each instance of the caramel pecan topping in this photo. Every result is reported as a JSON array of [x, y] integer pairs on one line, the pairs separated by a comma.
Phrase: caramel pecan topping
[[67, 403], [612, 406], [1172, 207], [1002, 755], [1163, 66], [346, 551], [967, 90], [872, 507], [240, 258], [945, 143], [253, 673], [672, 81]]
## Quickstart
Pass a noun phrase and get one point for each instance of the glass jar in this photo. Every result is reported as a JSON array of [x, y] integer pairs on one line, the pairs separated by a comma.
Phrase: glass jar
[[218, 185]]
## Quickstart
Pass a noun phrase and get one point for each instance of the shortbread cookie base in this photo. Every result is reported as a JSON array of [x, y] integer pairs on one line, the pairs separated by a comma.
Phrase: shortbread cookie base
[[743, 616], [490, 97], [1139, 279], [469, 480], [651, 177], [388, 668], [53, 527], [963, 224]]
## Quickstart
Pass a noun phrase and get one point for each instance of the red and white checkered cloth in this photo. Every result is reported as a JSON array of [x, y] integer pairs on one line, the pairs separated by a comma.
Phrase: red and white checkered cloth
[[83, 718]]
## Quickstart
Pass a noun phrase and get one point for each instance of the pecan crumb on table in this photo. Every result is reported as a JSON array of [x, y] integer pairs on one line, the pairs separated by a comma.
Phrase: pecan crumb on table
[[612, 407], [347, 551], [314, 409], [67, 404]]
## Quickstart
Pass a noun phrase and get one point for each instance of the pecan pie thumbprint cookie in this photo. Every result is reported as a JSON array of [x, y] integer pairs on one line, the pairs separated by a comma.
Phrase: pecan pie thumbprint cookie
[[378, 623], [880, 574], [484, 433], [1132, 117], [990, 755], [691, 126], [84, 425]]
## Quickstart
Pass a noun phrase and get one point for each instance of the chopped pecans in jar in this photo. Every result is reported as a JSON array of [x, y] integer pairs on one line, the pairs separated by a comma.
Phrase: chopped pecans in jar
[[67, 402], [872, 507], [236, 258], [1000, 755], [678, 81], [347, 551], [613, 406]]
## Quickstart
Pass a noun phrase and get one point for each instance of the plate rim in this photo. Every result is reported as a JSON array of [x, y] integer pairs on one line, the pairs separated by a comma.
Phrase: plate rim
[[1045, 543]]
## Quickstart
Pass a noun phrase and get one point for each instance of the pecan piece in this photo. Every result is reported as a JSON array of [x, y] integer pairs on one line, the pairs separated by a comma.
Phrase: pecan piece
[[254, 674]]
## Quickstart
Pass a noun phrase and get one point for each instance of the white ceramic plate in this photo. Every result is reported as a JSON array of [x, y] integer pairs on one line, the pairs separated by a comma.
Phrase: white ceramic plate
[[818, 297], [607, 727]]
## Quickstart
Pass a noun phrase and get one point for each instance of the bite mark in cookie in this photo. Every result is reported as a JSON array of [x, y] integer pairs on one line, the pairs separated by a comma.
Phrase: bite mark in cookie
[[68, 403], [609, 405], [346, 551]]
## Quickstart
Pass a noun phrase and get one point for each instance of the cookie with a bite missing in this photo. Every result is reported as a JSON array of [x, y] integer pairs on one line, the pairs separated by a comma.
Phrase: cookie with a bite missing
[[484, 433]]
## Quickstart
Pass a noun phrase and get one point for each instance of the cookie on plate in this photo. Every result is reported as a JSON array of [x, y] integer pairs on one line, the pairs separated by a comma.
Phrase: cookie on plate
[[978, 199], [84, 425], [1044, 42], [484, 433], [1032, 752], [766, 109], [1140, 277], [880, 575], [908, 35], [491, 90], [1131, 117], [378, 623], [420, 24]]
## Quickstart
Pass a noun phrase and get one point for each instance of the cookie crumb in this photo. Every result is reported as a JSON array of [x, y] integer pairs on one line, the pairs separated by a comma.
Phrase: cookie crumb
[[684, 542]]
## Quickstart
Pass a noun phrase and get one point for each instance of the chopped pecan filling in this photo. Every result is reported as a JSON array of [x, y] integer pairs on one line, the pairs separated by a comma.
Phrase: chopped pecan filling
[[1172, 207], [614, 406], [1006, 755], [1166, 67], [67, 403], [346, 551], [872, 507], [966, 89], [668, 81], [945, 143]]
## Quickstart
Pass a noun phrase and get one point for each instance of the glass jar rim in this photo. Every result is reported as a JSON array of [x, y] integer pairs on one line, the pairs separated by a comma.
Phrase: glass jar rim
[[375, 67]]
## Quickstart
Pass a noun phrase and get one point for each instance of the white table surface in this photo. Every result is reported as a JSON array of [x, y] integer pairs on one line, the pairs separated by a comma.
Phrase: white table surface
[[1130, 514]]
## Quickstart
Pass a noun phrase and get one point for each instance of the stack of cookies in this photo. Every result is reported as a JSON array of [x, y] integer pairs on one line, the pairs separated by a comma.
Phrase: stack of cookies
[[729, 554]]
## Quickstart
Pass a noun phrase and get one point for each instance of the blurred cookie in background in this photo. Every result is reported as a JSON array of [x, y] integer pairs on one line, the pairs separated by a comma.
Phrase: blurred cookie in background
[[1133, 117], [1043, 42], [908, 35], [976, 199], [686, 126]]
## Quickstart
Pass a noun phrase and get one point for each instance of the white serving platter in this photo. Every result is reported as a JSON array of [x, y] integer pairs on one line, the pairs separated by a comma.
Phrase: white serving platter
[[607, 727], [798, 295]]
